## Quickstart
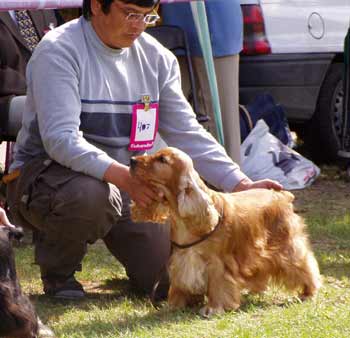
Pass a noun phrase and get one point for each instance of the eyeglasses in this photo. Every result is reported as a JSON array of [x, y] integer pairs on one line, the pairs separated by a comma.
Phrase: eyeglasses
[[148, 19]]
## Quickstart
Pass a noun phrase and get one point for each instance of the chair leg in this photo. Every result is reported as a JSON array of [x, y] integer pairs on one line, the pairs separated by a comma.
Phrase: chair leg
[[9, 153]]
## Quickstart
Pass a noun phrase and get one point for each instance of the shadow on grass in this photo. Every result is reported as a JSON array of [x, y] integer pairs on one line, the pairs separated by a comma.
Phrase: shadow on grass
[[338, 269], [116, 294], [112, 309], [100, 296], [138, 313], [111, 291], [127, 325], [333, 256], [131, 323]]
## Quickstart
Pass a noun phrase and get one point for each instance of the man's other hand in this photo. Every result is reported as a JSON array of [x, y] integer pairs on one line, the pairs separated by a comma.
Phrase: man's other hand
[[247, 183]]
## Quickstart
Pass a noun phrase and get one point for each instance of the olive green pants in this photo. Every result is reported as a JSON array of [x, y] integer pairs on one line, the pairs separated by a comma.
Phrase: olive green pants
[[69, 210]]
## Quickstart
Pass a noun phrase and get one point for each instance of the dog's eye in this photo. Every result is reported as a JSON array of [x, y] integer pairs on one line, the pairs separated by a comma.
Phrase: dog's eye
[[162, 159]]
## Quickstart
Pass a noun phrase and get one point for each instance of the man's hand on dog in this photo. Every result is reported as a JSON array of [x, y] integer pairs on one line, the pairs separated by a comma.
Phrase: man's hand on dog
[[142, 194], [247, 183]]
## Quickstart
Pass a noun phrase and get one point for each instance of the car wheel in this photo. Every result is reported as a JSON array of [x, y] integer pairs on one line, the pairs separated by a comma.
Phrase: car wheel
[[323, 138]]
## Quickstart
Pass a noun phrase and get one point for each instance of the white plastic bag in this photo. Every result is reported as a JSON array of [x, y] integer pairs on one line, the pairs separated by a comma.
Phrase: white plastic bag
[[265, 156]]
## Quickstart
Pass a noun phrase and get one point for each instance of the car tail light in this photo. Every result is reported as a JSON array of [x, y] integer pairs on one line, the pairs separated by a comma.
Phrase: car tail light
[[255, 40]]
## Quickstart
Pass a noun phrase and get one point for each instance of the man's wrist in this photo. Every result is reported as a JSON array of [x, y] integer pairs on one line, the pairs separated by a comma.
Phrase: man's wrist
[[243, 184], [117, 174]]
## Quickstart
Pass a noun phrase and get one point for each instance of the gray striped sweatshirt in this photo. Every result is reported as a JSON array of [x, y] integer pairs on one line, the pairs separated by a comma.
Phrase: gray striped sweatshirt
[[79, 103]]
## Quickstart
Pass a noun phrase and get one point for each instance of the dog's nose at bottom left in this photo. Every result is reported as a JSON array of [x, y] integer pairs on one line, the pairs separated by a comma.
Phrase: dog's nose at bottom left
[[133, 162]]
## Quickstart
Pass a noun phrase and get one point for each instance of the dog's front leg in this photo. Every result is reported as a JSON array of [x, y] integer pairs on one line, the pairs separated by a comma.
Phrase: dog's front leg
[[223, 292], [179, 299]]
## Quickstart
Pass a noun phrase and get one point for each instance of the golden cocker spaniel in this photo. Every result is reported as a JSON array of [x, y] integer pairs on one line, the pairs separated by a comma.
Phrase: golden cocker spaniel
[[224, 242]]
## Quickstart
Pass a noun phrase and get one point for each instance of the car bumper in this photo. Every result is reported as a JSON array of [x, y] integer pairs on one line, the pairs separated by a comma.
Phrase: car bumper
[[294, 80]]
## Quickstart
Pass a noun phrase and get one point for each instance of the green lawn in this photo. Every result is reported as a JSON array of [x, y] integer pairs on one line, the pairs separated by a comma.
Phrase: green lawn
[[110, 310]]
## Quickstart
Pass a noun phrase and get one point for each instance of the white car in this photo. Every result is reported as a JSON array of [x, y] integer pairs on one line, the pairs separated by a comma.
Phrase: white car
[[293, 49]]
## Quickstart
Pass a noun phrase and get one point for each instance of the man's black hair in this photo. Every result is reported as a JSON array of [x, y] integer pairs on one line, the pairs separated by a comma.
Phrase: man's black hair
[[106, 4]]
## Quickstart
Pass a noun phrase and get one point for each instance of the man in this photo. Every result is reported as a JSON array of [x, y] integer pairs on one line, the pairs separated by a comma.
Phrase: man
[[98, 89], [14, 56]]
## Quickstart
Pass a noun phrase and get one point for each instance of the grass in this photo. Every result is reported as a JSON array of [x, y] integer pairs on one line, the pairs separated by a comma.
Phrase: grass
[[110, 310]]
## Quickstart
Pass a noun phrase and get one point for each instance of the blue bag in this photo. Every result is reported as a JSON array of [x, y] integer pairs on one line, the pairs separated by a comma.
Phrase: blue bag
[[264, 107]]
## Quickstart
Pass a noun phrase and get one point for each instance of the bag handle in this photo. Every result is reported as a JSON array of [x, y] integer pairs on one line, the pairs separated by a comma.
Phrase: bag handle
[[247, 117]]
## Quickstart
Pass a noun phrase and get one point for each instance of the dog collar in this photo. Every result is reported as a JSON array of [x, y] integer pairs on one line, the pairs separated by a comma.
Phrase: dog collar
[[207, 235]]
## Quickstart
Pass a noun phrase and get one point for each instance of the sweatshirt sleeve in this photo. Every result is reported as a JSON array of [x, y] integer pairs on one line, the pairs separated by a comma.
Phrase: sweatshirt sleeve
[[53, 86], [179, 128]]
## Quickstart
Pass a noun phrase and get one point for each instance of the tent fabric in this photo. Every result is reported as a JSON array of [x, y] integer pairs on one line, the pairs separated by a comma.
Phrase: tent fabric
[[41, 4]]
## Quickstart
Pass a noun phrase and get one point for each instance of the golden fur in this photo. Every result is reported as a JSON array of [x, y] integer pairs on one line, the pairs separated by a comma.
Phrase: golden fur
[[259, 237]]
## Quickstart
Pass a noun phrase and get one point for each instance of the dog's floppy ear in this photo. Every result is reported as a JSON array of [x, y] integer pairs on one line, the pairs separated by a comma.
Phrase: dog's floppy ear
[[195, 203], [155, 213]]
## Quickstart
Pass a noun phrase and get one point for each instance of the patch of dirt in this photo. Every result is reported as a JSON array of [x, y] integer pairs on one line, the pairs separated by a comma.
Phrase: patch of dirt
[[329, 195]]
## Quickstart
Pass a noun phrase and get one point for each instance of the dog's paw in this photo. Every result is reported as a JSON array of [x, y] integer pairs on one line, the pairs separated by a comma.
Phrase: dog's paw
[[207, 311], [44, 331]]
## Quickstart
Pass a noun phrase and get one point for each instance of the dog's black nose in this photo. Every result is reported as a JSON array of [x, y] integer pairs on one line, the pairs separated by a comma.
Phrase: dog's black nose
[[133, 162]]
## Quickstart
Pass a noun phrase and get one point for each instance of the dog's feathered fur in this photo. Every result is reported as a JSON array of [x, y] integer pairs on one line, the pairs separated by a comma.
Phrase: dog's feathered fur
[[17, 315], [259, 237]]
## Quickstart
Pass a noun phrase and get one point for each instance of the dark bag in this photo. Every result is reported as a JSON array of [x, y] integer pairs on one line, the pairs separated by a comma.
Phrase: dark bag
[[264, 107]]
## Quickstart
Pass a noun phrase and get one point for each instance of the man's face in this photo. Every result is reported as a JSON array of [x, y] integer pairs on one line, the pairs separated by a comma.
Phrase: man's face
[[113, 28]]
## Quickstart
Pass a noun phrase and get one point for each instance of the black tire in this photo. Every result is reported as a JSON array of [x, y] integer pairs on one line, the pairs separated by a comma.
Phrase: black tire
[[323, 139]]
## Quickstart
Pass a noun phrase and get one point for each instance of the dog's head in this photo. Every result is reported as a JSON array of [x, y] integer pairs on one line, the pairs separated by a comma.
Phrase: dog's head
[[171, 171], [17, 315]]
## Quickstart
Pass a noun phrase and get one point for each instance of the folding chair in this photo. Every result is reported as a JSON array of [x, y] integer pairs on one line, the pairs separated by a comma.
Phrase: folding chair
[[13, 125], [174, 38]]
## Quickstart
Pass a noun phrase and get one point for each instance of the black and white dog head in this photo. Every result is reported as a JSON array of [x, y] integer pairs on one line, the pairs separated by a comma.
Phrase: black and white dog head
[[17, 315]]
